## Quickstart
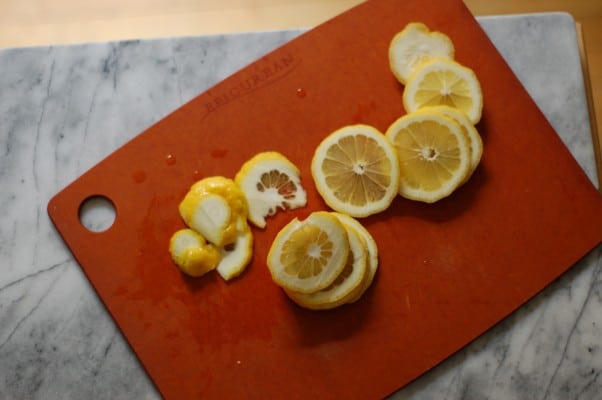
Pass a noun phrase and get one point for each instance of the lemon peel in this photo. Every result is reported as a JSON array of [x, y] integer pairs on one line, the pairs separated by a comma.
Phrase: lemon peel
[[236, 257], [192, 254], [351, 223], [212, 207]]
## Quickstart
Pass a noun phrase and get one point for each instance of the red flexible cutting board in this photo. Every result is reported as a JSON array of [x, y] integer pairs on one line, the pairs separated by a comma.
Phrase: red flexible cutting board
[[448, 271]]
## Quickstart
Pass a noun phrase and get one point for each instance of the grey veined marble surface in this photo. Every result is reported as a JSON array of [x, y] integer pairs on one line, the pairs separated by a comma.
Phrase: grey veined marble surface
[[63, 109]]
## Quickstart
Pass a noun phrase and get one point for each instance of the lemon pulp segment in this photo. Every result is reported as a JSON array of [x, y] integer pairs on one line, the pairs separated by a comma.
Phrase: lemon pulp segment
[[192, 254]]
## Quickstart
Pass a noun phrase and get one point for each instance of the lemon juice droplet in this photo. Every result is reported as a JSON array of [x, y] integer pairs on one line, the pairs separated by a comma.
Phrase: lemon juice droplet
[[170, 159], [139, 176]]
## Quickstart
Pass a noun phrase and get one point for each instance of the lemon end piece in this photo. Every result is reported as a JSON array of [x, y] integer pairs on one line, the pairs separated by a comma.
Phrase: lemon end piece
[[270, 182], [192, 254]]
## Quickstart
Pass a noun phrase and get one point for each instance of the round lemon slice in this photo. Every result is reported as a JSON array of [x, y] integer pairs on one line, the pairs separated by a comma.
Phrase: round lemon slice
[[444, 82], [307, 256], [270, 182], [356, 171], [372, 256], [475, 143], [346, 286], [192, 254], [414, 45], [433, 153]]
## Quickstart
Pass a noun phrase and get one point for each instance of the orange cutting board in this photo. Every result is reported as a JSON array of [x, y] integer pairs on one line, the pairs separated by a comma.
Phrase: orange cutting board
[[448, 271]]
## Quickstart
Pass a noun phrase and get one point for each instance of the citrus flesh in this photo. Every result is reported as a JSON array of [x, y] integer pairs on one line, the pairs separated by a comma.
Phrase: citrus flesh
[[433, 154], [444, 82], [307, 256], [355, 171], [414, 45], [270, 182]]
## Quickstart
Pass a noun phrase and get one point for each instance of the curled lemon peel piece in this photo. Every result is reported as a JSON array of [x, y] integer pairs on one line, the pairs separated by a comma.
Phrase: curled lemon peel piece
[[214, 206], [192, 254]]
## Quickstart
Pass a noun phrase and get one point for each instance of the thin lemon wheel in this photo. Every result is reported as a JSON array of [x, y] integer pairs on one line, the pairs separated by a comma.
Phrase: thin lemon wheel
[[347, 285], [356, 171], [475, 143], [270, 181], [433, 154], [444, 82], [307, 256], [414, 45]]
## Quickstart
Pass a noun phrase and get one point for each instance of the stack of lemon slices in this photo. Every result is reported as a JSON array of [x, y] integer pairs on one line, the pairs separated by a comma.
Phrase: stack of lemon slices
[[437, 144], [327, 260], [426, 154]]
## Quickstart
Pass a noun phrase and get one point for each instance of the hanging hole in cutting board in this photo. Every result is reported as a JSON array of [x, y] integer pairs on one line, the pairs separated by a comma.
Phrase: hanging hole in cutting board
[[97, 213]]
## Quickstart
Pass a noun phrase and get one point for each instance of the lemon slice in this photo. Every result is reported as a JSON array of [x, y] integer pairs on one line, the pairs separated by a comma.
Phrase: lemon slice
[[356, 171], [433, 153], [236, 257], [444, 82], [213, 207], [372, 256], [192, 254], [475, 143], [346, 286], [307, 256], [270, 181], [414, 45]]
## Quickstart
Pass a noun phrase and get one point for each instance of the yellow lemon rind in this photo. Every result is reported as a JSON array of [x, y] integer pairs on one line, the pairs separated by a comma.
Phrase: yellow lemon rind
[[234, 261], [371, 247]]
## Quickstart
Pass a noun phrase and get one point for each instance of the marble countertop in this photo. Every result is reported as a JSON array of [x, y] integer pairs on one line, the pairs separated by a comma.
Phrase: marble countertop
[[64, 108]]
